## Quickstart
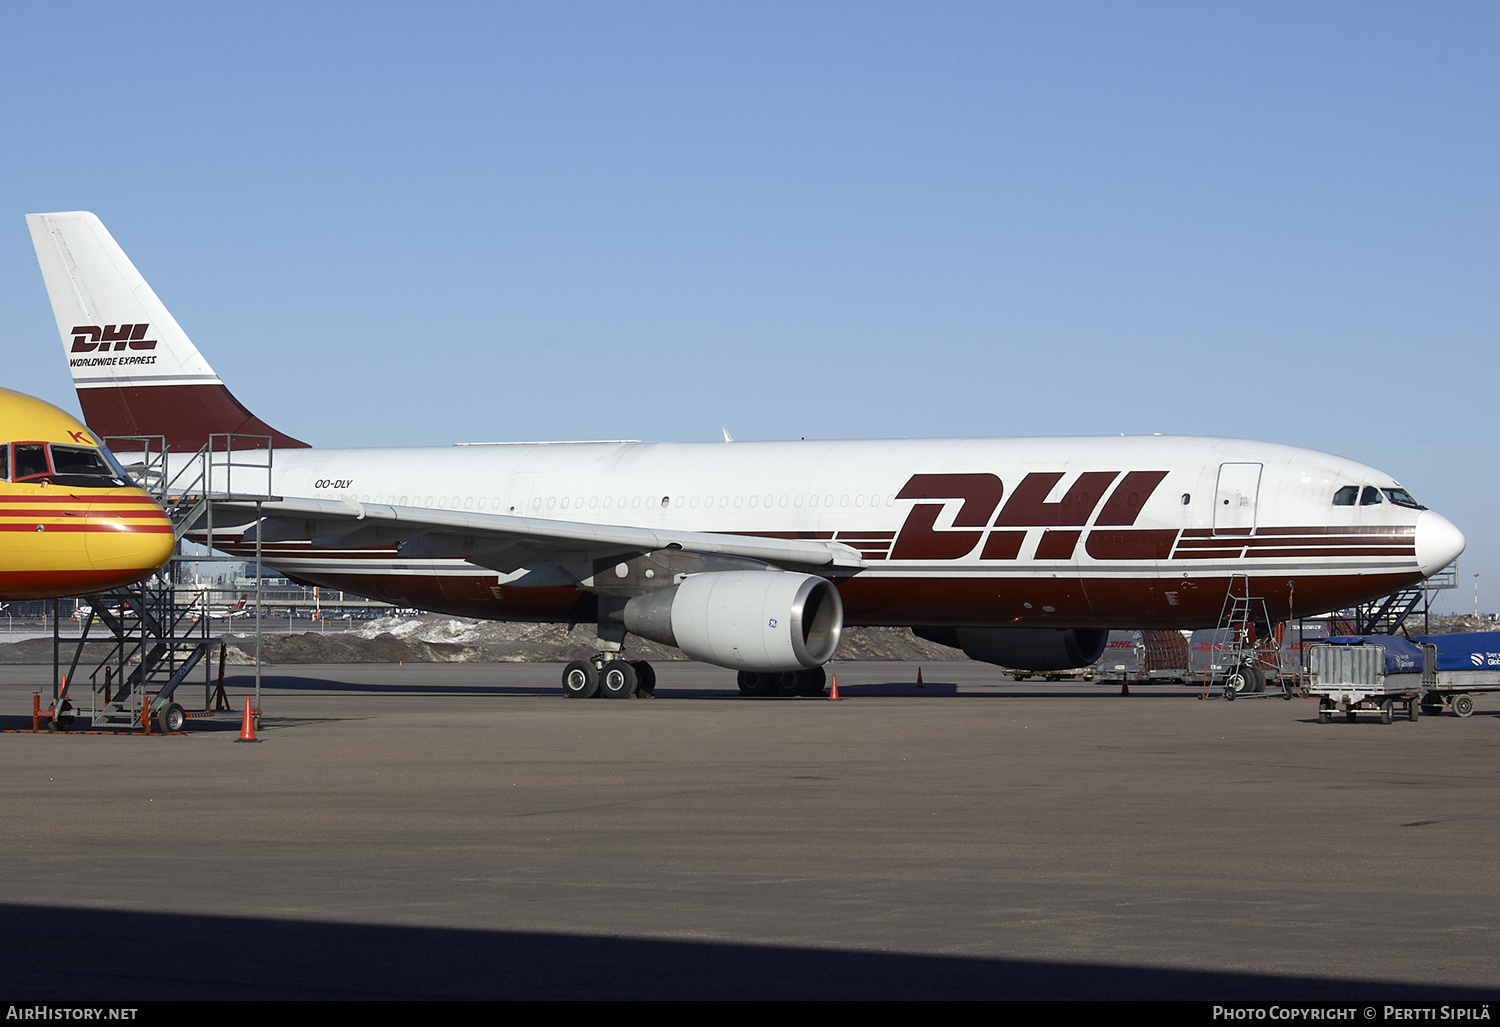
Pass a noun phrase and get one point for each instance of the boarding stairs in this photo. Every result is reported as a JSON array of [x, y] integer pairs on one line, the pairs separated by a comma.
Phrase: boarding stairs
[[156, 633], [154, 636], [1388, 615]]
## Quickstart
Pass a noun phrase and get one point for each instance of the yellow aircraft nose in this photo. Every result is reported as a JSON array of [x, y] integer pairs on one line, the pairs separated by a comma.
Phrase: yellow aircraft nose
[[128, 536]]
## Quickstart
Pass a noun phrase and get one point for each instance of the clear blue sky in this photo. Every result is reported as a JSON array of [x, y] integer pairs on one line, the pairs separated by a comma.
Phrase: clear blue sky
[[403, 224]]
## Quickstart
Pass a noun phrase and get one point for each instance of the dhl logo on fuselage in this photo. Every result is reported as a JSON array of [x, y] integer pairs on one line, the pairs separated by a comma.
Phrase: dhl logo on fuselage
[[1118, 498], [1027, 507], [89, 338]]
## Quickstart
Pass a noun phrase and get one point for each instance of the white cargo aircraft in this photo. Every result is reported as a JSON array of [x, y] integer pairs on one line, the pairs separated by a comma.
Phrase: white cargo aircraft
[[753, 556]]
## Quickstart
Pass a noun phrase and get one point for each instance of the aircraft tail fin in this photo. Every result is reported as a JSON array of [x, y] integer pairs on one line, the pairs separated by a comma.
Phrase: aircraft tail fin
[[135, 369]]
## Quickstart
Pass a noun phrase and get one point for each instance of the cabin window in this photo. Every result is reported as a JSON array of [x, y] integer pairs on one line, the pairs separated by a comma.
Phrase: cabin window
[[4, 461], [1370, 496], [1346, 495]]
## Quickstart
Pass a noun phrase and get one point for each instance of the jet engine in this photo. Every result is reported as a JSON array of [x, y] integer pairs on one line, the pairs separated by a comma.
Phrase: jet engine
[[1037, 649], [744, 620]]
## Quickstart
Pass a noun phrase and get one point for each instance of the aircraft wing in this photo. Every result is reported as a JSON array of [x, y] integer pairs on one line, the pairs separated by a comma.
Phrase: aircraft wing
[[506, 542]]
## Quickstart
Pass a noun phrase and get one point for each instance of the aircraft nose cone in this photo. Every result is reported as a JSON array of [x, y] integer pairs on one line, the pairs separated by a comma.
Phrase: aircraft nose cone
[[130, 538], [1438, 542]]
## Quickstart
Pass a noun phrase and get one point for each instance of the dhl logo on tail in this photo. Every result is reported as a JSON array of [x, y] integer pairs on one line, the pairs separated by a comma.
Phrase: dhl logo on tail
[[89, 338]]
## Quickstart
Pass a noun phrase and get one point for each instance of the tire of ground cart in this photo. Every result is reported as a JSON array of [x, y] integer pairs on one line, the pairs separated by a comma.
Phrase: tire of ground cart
[[170, 719], [1413, 710], [62, 718], [1385, 711], [1242, 678], [1350, 715], [1463, 705], [1325, 711]]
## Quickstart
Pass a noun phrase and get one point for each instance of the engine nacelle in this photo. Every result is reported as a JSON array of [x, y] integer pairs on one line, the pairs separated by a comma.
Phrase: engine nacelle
[[1024, 648], [744, 620]]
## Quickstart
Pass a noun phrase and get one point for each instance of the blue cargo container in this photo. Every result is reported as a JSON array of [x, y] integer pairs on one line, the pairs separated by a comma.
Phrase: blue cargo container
[[1401, 656], [1467, 662]]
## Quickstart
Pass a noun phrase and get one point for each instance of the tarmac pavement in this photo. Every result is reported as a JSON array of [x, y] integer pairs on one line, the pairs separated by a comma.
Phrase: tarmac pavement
[[464, 831]]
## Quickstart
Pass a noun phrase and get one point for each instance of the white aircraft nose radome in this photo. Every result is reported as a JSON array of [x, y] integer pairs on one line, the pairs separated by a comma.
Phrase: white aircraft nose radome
[[1438, 542]]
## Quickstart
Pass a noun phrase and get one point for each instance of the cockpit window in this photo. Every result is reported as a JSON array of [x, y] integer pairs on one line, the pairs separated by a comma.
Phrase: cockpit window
[[1346, 495], [1370, 496], [1401, 497], [31, 460], [74, 466], [80, 460]]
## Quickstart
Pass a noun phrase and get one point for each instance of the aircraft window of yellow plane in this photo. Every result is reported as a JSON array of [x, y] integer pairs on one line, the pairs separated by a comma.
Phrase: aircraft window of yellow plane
[[72, 466], [31, 461]]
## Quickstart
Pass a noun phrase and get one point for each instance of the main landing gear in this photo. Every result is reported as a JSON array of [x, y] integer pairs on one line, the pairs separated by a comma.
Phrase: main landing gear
[[609, 677], [785, 684]]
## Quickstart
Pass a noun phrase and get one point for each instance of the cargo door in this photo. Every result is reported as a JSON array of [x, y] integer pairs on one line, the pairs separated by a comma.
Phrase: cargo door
[[1235, 498]]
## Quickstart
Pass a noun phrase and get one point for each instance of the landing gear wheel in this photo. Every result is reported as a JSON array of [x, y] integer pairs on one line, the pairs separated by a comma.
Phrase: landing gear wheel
[[1325, 711], [1463, 705], [1385, 711], [580, 680], [645, 678], [788, 683], [170, 719], [813, 682], [755, 684], [1257, 680], [617, 680]]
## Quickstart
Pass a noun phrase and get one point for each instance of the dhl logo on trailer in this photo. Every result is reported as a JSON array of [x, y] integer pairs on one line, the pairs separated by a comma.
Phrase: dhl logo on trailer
[[71, 521]]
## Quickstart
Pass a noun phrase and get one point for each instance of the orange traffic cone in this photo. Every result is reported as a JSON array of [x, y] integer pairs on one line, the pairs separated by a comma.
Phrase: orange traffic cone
[[919, 677], [834, 694], [247, 728]]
